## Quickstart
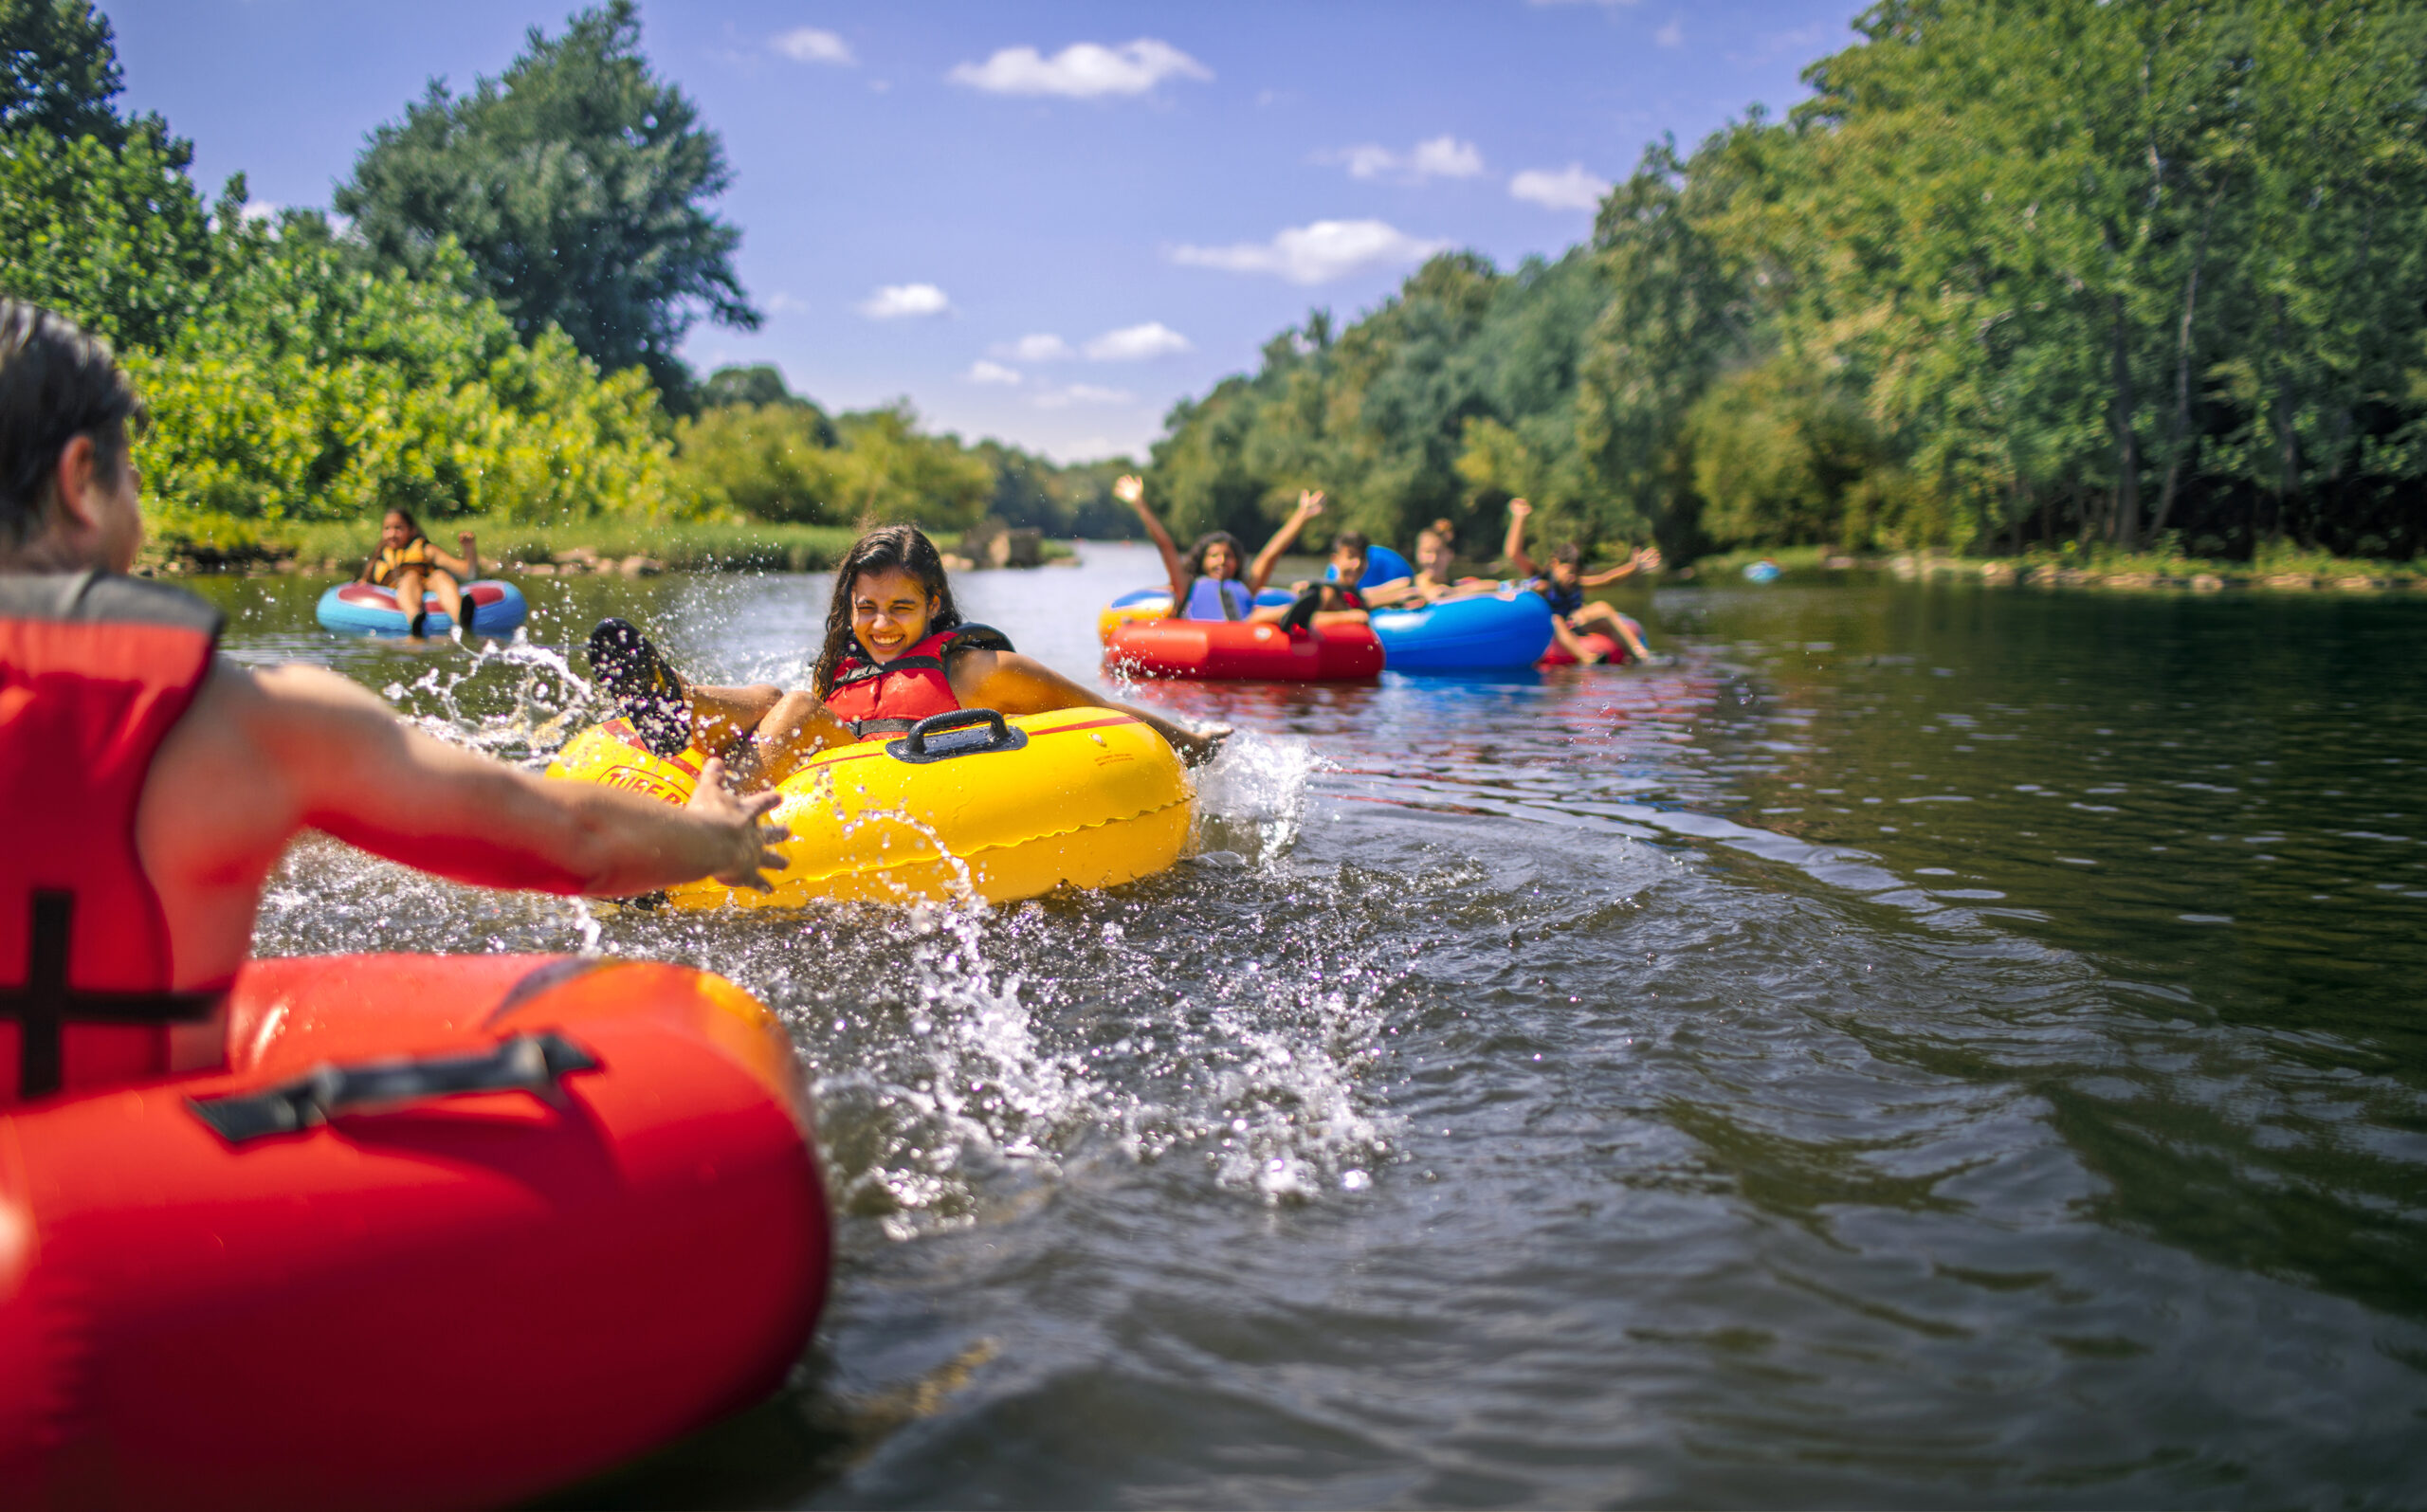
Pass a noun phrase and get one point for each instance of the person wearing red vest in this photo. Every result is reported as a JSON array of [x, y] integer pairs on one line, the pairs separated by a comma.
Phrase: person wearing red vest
[[151, 784], [896, 651]]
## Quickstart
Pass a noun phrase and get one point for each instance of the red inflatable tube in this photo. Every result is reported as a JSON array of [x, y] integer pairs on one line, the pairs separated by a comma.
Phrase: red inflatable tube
[[1612, 652], [1224, 651], [528, 1217]]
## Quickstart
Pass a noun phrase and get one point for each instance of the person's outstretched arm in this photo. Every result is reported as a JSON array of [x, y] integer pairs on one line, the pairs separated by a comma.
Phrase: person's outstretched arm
[[1514, 547], [1015, 683], [466, 567], [1310, 503], [1645, 560], [1131, 490], [261, 757]]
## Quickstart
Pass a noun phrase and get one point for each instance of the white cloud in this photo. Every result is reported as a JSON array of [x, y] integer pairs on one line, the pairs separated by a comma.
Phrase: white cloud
[[1038, 346], [1568, 188], [1316, 253], [982, 371], [1136, 343], [809, 44], [1672, 35], [1082, 393], [895, 301], [260, 210], [1444, 156], [1084, 70], [782, 303]]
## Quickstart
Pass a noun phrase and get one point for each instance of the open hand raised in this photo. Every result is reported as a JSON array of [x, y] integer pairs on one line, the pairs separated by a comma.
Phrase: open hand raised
[[749, 839], [1129, 489], [1310, 502]]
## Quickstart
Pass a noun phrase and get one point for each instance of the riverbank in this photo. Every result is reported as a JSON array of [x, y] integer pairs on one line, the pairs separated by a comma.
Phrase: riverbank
[[633, 547], [2281, 571]]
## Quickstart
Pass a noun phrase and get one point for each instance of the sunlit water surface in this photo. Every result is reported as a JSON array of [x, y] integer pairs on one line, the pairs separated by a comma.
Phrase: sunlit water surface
[[1925, 1046]]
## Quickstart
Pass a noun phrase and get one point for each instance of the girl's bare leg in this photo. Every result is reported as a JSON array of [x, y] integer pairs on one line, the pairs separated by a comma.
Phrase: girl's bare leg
[[796, 728], [409, 589], [1573, 644]]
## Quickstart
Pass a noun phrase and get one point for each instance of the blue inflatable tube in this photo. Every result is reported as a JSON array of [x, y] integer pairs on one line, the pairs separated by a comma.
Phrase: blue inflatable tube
[[365, 608], [1382, 565], [1505, 630]]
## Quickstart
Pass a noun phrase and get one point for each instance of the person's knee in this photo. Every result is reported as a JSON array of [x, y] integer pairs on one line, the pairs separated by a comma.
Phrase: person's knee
[[790, 712]]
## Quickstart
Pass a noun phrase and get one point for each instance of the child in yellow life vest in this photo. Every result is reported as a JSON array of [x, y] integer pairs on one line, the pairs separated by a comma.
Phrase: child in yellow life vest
[[408, 563]]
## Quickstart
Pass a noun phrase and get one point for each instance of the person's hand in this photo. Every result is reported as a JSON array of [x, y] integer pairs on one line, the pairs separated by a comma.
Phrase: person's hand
[[748, 839], [1519, 509], [1198, 747], [1647, 561], [1300, 586], [463, 539], [1129, 489], [1310, 503]]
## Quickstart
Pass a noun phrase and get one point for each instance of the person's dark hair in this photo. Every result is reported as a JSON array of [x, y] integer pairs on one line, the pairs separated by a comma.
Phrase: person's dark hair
[[57, 382], [407, 516], [1568, 552], [1196, 552], [1351, 540], [902, 546]]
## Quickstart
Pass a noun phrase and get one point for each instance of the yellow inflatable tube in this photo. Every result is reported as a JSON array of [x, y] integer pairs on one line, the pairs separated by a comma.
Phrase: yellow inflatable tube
[[1112, 616], [1001, 808]]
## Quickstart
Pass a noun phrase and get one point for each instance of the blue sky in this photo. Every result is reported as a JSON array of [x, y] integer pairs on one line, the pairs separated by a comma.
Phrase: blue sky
[[1043, 223]]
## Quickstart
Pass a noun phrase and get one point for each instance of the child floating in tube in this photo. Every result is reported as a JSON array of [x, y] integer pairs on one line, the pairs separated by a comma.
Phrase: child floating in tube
[[896, 651], [407, 562], [1207, 584], [1572, 618]]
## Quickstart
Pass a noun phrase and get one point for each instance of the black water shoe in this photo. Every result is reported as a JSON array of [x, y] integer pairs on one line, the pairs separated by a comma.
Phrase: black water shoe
[[646, 691]]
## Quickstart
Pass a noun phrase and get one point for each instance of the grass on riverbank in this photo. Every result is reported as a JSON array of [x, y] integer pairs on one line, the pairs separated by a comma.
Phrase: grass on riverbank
[[2282, 567], [342, 546]]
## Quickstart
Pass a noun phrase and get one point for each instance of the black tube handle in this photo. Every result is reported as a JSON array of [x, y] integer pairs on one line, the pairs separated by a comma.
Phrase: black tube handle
[[913, 745], [524, 1063]]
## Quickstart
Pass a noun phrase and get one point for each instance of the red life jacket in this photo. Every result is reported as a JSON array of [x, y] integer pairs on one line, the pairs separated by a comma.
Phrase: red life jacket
[[93, 671], [881, 698]]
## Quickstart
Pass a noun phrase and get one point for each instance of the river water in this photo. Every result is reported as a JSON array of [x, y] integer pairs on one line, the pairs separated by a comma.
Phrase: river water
[[1928, 1046]]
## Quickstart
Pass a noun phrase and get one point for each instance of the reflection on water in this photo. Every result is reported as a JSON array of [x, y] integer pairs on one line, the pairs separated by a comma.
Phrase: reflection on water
[[1927, 1046]]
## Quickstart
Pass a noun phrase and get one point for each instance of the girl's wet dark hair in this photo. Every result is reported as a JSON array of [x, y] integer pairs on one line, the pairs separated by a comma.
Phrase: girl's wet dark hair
[[407, 516], [902, 546], [1213, 538], [1351, 540], [57, 382], [1568, 552]]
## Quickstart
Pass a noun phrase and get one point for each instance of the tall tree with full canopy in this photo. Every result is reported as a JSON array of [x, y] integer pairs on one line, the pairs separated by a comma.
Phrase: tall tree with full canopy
[[577, 183], [97, 216]]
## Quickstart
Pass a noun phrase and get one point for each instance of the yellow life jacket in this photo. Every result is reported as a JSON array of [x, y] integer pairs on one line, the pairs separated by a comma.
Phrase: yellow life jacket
[[394, 560]]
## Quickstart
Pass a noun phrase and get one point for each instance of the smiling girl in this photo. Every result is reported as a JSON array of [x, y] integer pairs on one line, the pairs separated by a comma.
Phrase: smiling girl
[[897, 651]]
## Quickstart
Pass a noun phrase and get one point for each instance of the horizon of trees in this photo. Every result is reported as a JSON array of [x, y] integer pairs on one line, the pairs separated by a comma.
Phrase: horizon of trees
[[2022, 273]]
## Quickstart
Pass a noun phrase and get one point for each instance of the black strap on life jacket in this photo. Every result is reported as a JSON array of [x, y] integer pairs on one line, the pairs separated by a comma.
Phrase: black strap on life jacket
[[45, 1004]]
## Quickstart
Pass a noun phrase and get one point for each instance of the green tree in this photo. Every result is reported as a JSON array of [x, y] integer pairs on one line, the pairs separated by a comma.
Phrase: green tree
[[577, 183], [311, 386], [778, 460], [59, 71], [98, 218]]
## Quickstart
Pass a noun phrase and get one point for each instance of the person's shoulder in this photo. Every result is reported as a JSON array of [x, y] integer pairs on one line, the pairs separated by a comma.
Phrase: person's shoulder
[[94, 598]]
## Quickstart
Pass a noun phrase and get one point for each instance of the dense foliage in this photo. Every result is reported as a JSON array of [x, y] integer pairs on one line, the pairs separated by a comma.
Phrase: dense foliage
[[289, 378], [576, 185], [758, 450], [2022, 271]]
